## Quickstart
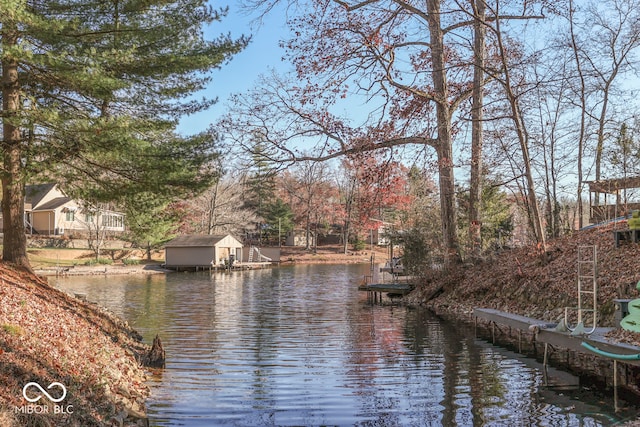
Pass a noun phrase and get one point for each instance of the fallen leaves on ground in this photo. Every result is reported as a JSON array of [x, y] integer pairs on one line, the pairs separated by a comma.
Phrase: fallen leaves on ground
[[47, 336], [527, 282]]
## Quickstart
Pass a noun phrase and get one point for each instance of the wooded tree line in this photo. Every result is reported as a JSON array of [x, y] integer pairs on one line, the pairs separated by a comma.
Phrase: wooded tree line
[[523, 98], [532, 96], [347, 200], [352, 202]]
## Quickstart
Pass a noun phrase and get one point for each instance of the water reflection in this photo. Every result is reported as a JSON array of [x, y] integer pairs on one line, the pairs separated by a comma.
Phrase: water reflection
[[300, 346]]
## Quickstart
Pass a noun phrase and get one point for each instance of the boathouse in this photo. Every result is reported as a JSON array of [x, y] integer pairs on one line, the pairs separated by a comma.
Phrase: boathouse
[[202, 251]]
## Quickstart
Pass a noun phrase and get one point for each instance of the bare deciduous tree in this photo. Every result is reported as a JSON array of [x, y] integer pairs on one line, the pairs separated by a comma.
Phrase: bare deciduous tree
[[219, 210]]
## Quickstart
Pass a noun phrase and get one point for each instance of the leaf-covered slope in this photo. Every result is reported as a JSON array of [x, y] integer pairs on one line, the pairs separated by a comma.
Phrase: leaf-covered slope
[[524, 281], [47, 336]]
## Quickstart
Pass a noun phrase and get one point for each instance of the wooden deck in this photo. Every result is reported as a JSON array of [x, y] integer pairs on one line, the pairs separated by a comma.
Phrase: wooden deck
[[392, 288], [545, 332], [375, 290]]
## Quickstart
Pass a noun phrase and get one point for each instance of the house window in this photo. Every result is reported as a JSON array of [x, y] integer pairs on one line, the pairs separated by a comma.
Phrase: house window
[[90, 218], [112, 221], [70, 216]]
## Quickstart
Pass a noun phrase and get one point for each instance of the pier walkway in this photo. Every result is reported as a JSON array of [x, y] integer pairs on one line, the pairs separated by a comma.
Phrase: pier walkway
[[546, 333], [375, 290]]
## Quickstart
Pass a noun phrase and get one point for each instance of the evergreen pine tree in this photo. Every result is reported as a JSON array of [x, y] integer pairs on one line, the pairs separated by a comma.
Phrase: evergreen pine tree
[[92, 91], [261, 181], [150, 222], [278, 219]]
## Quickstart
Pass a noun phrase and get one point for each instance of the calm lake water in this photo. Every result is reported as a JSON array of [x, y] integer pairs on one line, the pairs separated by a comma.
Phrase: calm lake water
[[301, 346]]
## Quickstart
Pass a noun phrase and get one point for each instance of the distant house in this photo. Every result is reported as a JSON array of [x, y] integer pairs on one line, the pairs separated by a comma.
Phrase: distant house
[[193, 251], [608, 198], [380, 235], [49, 211], [299, 238]]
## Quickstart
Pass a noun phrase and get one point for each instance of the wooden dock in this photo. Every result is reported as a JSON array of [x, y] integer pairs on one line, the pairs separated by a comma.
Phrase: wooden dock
[[242, 265], [546, 333], [375, 290]]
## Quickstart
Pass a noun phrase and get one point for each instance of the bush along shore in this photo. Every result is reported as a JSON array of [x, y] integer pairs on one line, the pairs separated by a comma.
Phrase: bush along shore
[[65, 362]]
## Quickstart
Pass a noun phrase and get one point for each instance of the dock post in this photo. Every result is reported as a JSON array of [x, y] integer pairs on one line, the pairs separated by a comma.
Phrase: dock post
[[519, 341], [493, 332], [475, 327], [544, 363], [615, 385]]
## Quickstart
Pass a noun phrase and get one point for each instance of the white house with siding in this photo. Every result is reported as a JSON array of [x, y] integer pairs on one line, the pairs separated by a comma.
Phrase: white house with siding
[[49, 211]]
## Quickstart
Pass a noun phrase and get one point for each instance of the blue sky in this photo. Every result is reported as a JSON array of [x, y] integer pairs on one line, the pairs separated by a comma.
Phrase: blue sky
[[242, 72]]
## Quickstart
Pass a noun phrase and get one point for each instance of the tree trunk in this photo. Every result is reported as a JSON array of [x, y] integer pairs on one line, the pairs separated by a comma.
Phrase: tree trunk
[[444, 148], [583, 116], [15, 241], [14, 248], [600, 142], [308, 227], [156, 357], [345, 237], [516, 115], [475, 190], [534, 207], [213, 201]]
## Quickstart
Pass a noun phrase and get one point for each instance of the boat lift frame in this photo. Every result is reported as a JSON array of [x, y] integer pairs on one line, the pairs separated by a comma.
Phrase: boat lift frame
[[587, 291]]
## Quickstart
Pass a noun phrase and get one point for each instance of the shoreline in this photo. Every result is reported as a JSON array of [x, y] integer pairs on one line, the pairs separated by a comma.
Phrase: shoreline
[[78, 351], [83, 270], [64, 361]]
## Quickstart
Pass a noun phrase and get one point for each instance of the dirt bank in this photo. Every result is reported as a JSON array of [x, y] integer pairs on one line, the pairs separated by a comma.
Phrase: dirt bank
[[83, 357], [524, 281]]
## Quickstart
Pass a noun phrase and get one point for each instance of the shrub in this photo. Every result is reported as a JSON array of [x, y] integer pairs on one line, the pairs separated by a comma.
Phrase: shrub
[[359, 245]]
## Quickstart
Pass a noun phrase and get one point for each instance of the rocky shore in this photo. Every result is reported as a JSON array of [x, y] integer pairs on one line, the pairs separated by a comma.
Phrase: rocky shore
[[65, 362], [117, 269]]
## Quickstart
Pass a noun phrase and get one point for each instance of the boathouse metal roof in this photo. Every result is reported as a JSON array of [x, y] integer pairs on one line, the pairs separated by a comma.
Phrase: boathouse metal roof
[[197, 240]]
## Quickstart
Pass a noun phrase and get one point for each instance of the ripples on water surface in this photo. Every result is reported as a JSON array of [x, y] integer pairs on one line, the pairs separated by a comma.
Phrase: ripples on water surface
[[301, 346]]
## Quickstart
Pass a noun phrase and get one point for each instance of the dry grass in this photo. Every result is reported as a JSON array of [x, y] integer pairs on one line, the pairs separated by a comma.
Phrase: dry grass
[[331, 254], [42, 258]]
